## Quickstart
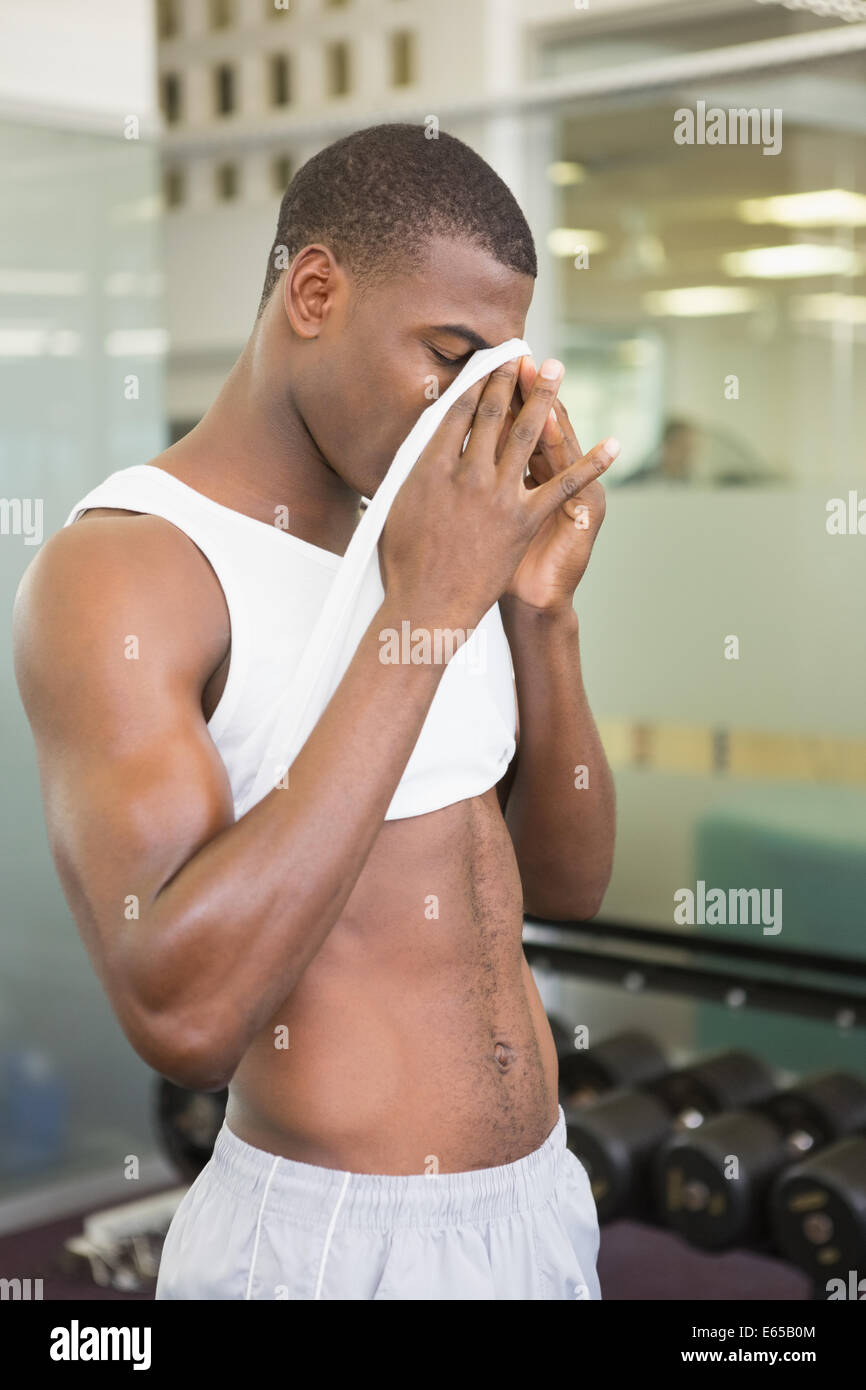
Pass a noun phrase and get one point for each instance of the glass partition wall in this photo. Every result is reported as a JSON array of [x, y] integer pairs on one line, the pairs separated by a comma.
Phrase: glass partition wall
[[705, 247], [81, 347]]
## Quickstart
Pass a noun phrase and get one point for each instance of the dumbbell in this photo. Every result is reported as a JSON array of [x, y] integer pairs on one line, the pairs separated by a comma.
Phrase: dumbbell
[[622, 1059], [188, 1123], [616, 1136], [818, 1214], [712, 1186]]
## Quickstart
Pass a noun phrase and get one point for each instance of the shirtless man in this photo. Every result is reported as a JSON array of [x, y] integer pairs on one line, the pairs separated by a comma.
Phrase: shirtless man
[[404, 1139]]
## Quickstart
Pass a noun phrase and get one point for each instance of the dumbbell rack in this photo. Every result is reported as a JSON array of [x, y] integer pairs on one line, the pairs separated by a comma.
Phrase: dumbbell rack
[[732, 972]]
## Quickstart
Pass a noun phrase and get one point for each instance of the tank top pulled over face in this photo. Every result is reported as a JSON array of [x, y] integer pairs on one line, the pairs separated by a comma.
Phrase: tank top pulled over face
[[297, 615]]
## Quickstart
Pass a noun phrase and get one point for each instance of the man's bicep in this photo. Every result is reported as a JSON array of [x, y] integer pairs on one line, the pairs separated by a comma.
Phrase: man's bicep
[[111, 680], [120, 827]]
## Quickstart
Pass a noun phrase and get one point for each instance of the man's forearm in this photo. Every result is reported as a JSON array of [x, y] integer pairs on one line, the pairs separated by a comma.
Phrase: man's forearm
[[561, 806]]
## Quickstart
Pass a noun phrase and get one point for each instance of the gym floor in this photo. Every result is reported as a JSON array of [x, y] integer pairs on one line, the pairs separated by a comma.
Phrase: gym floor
[[635, 1262]]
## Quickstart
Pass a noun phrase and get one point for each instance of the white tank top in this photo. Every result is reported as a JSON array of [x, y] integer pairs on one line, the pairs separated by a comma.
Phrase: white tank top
[[297, 614]]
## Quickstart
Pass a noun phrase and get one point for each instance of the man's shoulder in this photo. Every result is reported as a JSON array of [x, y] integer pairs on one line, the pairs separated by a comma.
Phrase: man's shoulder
[[111, 570], [113, 551]]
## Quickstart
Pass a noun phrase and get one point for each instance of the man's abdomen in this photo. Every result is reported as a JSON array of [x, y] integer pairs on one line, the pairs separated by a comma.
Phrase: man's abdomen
[[416, 1040]]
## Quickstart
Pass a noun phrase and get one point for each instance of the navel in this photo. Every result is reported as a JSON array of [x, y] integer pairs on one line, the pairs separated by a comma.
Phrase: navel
[[504, 1055]]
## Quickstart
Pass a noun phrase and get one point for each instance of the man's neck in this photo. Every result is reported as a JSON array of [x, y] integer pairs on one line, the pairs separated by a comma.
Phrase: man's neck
[[253, 453]]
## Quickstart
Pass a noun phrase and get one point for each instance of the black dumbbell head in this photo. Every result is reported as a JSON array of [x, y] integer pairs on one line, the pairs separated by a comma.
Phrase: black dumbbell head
[[624, 1059], [818, 1211], [613, 1138], [827, 1105], [711, 1184], [725, 1080], [188, 1123]]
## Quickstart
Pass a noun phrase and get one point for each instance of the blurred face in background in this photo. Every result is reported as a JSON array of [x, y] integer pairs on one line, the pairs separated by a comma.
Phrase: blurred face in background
[[678, 452]]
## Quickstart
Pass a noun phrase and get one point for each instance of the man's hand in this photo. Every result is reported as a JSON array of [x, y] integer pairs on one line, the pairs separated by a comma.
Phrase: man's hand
[[558, 554], [463, 522]]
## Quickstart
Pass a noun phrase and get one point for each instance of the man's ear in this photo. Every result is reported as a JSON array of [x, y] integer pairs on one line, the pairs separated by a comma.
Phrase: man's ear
[[310, 289]]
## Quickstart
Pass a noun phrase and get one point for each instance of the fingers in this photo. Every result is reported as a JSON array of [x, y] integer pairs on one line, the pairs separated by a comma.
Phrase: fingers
[[458, 420], [491, 414], [557, 448], [544, 500], [526, 429], [503, 437], [565, 428], [558, 430]]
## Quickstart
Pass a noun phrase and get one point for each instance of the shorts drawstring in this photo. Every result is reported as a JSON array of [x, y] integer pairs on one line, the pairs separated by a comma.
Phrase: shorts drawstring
[[331, 1226], [259, 1227]]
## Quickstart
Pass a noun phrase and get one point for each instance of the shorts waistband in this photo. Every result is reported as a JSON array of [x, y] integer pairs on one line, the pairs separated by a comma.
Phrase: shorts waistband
[[316, 1197]]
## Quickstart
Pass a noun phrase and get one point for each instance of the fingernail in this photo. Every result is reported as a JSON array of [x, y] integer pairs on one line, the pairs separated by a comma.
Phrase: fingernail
[[552, 417], [551, 369], [609, 448]]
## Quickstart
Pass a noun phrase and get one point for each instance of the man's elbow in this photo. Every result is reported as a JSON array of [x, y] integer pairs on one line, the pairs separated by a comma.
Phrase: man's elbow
[[194, 1071], [188, 1057], [564, 904]]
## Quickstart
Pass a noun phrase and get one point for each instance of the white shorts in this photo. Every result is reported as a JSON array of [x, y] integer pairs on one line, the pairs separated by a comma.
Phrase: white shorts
[[257, 1226]]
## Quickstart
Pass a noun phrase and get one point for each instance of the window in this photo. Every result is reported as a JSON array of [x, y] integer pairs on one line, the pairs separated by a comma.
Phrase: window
[[402, 58], [224, 89], [167, 20], [337, 57], [221, 13], [177, 428], [281, 173], [173, 187], [280, 80], [227, 181], [171, 97]]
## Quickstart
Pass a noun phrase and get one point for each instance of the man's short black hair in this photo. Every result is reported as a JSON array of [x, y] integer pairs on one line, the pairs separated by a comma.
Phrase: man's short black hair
[[375, 198]]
